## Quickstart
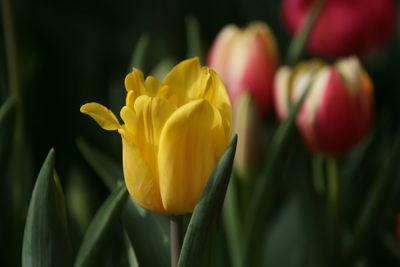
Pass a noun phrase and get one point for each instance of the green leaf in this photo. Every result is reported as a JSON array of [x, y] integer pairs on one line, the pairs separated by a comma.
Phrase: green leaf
[[100, 231], [7, 224], [374, 207], [390, 244], [7, 116], [5, 109], [193, 35], [46, 241], [207, 211], [264, 195], [109, 172], [148, 232], [133, 262], [138, 59]]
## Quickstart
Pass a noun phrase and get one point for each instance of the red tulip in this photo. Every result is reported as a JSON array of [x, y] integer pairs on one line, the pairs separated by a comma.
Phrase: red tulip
[[246, 60], [344, 27], [337, 112], [398, 227]]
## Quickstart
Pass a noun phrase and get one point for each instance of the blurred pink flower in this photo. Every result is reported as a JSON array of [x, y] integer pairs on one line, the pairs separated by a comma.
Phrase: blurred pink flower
[[337, 112], [344, 27], [246, 59]]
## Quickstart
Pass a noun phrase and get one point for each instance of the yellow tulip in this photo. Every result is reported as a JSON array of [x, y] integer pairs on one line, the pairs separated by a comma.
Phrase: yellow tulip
[[173, 134]]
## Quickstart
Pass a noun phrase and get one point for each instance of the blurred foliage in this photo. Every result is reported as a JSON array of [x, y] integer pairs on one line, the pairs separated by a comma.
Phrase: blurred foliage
[[74, 52]]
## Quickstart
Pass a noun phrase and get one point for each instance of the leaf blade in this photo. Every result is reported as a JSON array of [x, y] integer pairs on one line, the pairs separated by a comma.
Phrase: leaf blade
[[46, 241], [98, 233], [207, 210]]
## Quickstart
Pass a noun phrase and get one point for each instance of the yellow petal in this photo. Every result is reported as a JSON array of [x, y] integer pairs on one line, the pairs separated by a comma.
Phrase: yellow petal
[[139, 179], [191, 143], [209, 86], [152, 85], [281, 91], [181, 78], [130, 98], [145, 123], [102, 115], [189, 81], [151, 114], [134, 84]]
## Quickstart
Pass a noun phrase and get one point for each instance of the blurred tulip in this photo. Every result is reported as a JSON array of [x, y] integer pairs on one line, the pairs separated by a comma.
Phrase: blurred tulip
[[247, 125], [174, 133], [344, 27], [337, 112], [246, 60]]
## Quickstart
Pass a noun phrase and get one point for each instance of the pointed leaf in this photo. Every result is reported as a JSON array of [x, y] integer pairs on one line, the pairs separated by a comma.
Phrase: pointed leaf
[[100, 230], [46, 241], [207, 211]]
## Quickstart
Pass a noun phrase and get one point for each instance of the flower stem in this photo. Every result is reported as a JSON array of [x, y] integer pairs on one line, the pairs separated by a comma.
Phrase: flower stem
[[10, 49], [318, 174], [333, 195], [176, 238], [298, 43], [333, 188]]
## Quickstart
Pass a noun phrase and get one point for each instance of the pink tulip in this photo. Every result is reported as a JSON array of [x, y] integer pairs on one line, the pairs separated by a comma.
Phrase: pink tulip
[[338, 110], [344, 27], [246, 60]]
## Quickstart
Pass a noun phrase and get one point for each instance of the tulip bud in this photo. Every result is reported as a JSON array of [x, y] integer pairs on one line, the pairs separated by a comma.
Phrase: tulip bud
[[337, 112], [299, 78], [173, 134], [343, 28], [246, 60], [247, 126]]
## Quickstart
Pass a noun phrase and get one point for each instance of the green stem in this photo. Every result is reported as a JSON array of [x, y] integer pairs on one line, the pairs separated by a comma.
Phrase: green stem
[[375, 205], [298, 43], [176, 238], [318, 174], [265, 191], [333, 187], [10, 48], [333, 191]]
